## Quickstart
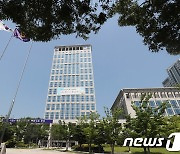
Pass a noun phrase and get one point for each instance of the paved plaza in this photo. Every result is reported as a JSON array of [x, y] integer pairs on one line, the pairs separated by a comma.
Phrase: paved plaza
[[33, 151]]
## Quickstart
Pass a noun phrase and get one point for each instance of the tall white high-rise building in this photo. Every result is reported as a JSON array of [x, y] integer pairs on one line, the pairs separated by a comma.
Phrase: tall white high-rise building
[[71, 91]]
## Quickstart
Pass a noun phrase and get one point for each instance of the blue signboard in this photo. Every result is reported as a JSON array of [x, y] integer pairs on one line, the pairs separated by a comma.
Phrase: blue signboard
[[37, 121]]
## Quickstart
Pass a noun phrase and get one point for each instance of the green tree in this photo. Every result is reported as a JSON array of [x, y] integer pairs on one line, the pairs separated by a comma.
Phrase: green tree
[[112, 127], [90, 128], [43, 20], [157, 21], [149, 122], [100, 137], [69, 132], [57, 132], [63, 131], [79, 135], [172, 125], [9, 132], [34, 133]]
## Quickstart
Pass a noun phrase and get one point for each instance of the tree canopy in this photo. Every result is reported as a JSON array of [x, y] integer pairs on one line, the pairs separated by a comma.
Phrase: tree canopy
[[43, 20], [148, 123], [157, 21]]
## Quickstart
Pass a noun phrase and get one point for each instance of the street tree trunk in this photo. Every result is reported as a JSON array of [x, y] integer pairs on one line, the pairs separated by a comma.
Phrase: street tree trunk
[[148, 150], [112, 148], [145, 152]]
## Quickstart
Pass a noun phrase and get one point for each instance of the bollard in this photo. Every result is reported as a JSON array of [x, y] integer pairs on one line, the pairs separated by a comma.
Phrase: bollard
[[3, 148]]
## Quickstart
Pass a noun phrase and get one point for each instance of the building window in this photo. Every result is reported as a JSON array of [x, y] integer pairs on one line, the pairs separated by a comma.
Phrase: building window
[[82, 98], [67, 98], [82, 77], [86, 83], [170, 111], [87, 114], [48, 107], [92, 106], [77, 98], [58, 98], [57, 71], [91, 90], [152, 103], [86, 90], [177, 111], [56, 77], [89, 59], [53, 107], [57, 106], [54, 99], [82, 107], [49, 98], [158, 103], [47, 115], [52, 115], [90, 77], [82, 114], [72, 107], [178, 101], [77, 107], [87, 98], [82, 83], [55, 91], [91, 83], [92, 98], [55, 84], [72, 98], [50, 91], [52, 78], [174, 104], [51, 84], [87, 107], [136, 103], [63, 98], [57, 115], [86, 77]]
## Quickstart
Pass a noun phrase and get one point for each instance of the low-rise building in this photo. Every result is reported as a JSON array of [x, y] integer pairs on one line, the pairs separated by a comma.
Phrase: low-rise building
[[167, 94]]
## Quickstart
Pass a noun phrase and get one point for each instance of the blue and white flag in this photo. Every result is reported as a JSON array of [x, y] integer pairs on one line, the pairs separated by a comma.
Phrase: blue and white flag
[[4, 27]]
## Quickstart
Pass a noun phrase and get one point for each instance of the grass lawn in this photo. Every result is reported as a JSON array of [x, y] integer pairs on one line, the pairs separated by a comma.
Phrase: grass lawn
[[140, 150]]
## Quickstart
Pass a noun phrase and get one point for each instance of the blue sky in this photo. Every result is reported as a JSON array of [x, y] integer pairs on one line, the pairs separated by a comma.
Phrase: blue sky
[[120, 60]]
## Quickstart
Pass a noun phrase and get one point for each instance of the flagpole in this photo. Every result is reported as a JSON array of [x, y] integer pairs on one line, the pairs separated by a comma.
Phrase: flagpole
[[6, 47], [13, 100]]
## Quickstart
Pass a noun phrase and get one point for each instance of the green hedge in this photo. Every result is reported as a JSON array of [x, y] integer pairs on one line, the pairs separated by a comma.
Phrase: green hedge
[[85, 147], [11, 143]]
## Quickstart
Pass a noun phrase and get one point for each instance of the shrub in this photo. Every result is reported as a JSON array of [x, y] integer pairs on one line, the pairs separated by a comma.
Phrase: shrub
[[21, 145], [85, 147], [11, 143]]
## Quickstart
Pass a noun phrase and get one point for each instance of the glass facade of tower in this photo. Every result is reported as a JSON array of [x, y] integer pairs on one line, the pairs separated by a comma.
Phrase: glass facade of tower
[[174, 75], [71, 90]]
